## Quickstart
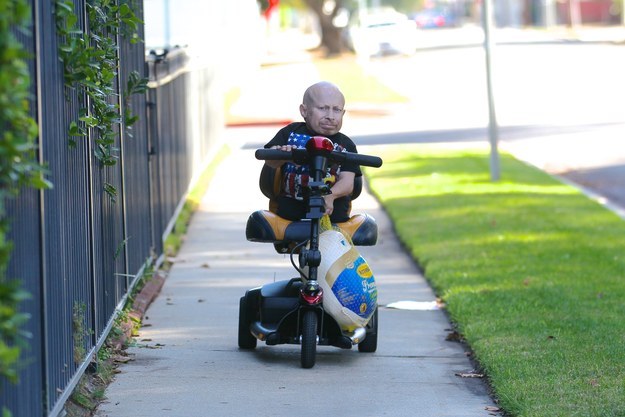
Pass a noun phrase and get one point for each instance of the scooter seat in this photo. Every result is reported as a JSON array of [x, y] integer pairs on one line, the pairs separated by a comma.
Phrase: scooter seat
[[265, 226]]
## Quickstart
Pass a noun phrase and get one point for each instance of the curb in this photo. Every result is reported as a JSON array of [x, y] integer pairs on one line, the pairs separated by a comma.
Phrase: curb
[[259, 123], [144, 298], [148, 294]]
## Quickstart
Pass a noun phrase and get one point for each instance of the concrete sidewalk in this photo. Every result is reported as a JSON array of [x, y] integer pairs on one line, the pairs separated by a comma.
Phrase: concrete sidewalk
[[186, 361]]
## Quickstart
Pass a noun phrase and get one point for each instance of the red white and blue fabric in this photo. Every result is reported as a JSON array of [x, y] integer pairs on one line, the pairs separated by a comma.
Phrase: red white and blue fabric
[[297, 176]]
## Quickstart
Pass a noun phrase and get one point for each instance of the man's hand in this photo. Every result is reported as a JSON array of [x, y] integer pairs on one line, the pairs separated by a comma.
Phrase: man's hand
[[278, 164], [286, 148], [344, 186], [328, 199]]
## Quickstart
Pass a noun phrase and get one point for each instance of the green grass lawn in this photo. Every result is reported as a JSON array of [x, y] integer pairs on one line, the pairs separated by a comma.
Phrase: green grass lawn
[[532, 273]]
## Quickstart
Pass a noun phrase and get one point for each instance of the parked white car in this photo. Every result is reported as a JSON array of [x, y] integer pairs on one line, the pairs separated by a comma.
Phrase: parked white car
[[384, 32]]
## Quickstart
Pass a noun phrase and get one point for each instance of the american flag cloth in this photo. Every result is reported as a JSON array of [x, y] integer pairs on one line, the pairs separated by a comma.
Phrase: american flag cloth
[[296, 177]]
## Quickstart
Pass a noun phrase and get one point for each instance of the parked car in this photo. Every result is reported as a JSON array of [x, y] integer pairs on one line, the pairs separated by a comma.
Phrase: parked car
[[384, 32], [434, 18]]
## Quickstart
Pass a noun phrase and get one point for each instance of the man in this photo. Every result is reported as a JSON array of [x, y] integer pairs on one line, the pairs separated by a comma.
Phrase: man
[[322, 109]]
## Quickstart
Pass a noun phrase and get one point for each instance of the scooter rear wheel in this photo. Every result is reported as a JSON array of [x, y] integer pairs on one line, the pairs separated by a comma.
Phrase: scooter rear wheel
[[309, 338], [246, 338], [370, 344]]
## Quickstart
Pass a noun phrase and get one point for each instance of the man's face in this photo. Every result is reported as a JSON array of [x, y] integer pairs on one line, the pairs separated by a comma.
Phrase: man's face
[[324, 112]]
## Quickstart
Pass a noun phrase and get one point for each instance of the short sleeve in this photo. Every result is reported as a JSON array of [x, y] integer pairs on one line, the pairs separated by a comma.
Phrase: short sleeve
[[349, 146], [281, 137]]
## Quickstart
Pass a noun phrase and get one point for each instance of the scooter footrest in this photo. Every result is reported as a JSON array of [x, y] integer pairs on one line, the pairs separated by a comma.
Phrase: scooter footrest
[[262, 332], [357, 336], [343, 342], [273, 339]]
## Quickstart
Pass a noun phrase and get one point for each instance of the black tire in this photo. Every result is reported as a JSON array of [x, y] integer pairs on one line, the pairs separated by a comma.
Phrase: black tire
[[309, 338], [370, 344], [246, 338]]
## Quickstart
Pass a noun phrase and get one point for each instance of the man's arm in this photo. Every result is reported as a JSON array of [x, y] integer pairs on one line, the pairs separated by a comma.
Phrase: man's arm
[[344, 186]]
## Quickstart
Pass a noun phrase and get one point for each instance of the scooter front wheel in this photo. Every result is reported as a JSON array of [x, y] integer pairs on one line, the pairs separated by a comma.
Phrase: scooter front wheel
[[309, 338]]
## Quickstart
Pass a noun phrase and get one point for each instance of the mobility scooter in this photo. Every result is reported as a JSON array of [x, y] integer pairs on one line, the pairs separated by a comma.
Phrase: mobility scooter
[[292, 311]]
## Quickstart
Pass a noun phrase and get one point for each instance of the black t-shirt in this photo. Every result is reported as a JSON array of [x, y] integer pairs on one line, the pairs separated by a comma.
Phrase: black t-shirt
[[291, 203]]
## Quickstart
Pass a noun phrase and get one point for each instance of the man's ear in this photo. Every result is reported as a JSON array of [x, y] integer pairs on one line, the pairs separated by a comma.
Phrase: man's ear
[[302, 110]]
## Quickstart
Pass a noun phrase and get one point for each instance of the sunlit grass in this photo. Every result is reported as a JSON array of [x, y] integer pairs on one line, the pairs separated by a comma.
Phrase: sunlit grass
[[356, 85], [531, 270]]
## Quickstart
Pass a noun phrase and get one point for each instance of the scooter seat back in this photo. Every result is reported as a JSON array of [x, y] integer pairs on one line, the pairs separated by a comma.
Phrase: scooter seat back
[[265, 226]]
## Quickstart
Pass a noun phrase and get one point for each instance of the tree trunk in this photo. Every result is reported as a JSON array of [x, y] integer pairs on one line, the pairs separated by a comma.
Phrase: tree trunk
[[331, 38]]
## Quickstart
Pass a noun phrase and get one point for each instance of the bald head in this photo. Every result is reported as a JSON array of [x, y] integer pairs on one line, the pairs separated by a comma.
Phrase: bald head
[[321, 90], [323, 107]]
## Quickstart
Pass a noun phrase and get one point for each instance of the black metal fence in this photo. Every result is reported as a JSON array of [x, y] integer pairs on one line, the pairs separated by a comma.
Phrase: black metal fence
[[77, 252]]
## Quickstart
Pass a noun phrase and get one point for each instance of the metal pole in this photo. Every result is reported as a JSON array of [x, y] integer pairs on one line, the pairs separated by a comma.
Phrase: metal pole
[[493, 133], [550, 13], [166, 24]]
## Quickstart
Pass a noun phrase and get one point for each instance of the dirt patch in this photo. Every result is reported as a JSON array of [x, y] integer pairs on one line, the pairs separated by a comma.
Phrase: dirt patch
[[90, 391]]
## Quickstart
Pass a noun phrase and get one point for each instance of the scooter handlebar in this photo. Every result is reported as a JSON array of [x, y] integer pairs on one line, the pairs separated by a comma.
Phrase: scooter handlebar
[[277, 154], [301, 154], [358, 158]]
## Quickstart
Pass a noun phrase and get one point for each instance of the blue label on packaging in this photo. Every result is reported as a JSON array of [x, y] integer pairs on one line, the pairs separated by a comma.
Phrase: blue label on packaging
[[356, 290]]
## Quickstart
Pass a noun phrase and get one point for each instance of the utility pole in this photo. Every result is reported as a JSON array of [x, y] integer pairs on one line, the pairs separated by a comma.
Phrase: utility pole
[[549, 18], [166, 24], [493, 133]]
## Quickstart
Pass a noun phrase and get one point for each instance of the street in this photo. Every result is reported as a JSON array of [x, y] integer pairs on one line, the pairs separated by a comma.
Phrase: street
[[533, 83]]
